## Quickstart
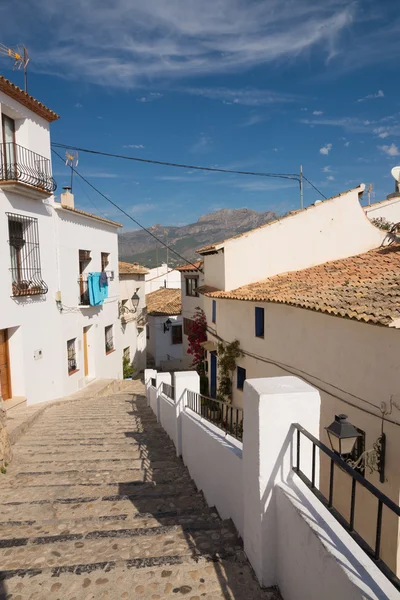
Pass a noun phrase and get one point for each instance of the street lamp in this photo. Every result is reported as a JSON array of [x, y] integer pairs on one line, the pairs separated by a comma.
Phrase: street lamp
[[167, 325], [342, 435], [135, 301]]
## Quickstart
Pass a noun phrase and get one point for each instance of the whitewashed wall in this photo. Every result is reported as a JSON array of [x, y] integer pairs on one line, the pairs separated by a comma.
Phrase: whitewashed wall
[[131, 335], [162, 276], [388, 209], [159, 344], [189, 304]]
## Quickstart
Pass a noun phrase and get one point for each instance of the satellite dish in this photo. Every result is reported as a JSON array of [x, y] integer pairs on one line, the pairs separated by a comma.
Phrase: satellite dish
[[396, 173]]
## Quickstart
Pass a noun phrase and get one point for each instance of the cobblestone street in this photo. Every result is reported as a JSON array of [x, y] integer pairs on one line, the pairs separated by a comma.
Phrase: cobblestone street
[[96, 505]]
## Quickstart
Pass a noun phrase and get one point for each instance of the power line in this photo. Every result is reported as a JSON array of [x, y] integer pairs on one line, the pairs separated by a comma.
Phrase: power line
[[126, 214], [315, 188], [293, 176]]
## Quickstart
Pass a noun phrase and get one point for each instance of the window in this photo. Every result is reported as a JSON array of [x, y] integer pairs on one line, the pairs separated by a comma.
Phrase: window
[[214, 311], [191, 285], [84, 260], [259, 322], [109, 339], [187, 325], [241, 376], [10, 166], [147, 332], [176, 334], [25, 268], [358, 449], [104, 261], [71, 353]]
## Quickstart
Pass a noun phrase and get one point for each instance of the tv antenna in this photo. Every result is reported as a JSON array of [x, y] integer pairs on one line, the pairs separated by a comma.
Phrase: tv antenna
[[369, 191], [72, 161], [21, 58]]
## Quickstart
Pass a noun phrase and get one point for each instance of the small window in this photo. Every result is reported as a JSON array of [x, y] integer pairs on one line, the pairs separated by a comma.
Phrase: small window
[[358, 449], [259, 322], [241, 377], [214, 311], [191, 285], [176, 334], [109, 339], [104, 261], [127, 353], [187, 325], [147, 332], [71, 353]]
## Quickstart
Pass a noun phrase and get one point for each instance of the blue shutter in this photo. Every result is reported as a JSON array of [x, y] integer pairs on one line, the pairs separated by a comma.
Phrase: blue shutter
[[259, 322], [214, 311]]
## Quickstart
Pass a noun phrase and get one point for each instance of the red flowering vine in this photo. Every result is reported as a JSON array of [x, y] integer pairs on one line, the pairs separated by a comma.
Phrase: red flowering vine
[[197, 334]]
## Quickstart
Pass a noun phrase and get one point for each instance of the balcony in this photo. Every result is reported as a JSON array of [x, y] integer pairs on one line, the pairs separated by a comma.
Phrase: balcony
[[84, 298], [25, 172]]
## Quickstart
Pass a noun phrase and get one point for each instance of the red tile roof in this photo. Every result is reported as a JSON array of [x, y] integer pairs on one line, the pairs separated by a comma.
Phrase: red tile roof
[[365, 287], [7, 87], [196, 266], [163, 302], [126, 268]]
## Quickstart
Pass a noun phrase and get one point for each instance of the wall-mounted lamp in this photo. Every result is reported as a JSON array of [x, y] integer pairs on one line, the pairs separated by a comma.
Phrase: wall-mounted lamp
[[167, 325], [343, 436], [135, 299]]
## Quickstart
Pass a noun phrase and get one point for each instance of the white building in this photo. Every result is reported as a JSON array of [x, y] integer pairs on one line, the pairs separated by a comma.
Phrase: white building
[[191, 279], [132, 310], [162, 276], [51, 341], [164, 328]]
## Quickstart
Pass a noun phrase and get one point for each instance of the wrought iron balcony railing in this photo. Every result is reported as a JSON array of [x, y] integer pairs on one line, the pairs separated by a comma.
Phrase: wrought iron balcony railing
[[18, 164]]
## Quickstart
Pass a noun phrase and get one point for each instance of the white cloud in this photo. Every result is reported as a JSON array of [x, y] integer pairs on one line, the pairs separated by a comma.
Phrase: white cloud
[[78, 105], [330, 178], [325, 149], [134, 43], [254, 120], [317, 112], [379, 94], [136, 146], [202, 144], [384, 135], [327, 169], [245, 96], [150, 97], [304, 109], [391, 150], [347, 144]]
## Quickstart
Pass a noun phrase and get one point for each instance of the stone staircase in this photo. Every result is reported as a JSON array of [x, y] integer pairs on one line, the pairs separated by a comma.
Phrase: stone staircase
[[96, 505]]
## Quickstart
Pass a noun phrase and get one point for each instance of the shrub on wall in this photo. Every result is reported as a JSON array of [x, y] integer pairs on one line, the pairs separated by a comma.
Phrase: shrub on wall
[[197, 335], [227, 356]]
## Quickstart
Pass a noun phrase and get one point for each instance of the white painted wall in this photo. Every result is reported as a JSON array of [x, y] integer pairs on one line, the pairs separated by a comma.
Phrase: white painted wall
[[333, 229], [189, 303], [388, 209], [162, 276], [133, 336], [159, 344]]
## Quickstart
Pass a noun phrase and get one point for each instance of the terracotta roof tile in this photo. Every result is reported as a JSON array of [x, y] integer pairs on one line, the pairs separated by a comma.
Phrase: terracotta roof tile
[[364, 287], [163, 302], [12, 90], [86, 214], [131, 269], [196, 266]]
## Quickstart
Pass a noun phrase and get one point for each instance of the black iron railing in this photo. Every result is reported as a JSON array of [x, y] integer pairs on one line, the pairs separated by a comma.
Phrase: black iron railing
[[356, 478], [20, 164], [153, 382], [227, 417], [168, 390], [23, 239]]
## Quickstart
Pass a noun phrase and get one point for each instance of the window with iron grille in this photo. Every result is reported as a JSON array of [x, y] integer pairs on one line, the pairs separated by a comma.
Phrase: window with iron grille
[[191, 285], [71, 353], [104, 260], [187, 325], [23, 238], [241, 377], [176, 333], [109, 339]]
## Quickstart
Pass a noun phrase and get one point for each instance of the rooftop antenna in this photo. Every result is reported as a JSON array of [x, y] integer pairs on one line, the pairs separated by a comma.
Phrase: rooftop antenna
[[370, 188], [21, 58], [72, 160]]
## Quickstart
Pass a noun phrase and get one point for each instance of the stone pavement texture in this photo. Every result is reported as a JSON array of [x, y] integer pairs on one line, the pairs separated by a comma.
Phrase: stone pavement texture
[[96, 505]]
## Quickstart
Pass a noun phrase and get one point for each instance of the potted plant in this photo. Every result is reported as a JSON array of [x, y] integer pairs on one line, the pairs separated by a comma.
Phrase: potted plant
[[127, 368]]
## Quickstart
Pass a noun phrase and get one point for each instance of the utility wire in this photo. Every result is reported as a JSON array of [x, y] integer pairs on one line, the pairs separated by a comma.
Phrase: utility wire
[[315, 188], [126, 214], [293, 176]]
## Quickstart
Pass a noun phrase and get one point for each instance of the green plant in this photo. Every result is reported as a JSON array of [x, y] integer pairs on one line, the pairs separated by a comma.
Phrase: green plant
[[3, 470], [127, 367], [227, 356], [197, 335], [382, 223]]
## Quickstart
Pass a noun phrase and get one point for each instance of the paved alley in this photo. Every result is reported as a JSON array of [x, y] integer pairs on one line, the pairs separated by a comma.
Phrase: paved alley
[[96, 505]]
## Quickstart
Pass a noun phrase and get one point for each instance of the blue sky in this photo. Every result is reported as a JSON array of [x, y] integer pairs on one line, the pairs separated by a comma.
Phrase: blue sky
[[243, 84]]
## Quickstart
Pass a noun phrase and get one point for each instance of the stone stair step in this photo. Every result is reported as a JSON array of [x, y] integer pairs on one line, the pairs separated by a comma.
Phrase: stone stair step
[[88, 466]]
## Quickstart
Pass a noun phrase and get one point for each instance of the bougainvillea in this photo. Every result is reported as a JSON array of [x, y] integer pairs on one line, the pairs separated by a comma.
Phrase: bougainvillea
[[197, 335]]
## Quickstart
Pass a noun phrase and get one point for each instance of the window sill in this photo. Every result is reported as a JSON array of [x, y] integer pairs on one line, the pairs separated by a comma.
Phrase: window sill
[[72, 372], [260, 337], [110, 351]]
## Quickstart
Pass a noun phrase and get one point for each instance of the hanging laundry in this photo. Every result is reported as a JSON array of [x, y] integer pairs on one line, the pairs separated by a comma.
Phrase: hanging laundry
[[103, 279], [96, 296]]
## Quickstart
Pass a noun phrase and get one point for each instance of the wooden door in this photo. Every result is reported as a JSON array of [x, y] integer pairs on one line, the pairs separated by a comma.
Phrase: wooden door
[[5, 379], [85, 352]]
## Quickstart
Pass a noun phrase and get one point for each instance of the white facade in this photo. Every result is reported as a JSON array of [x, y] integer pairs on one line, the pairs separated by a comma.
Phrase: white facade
[[162, 276], [190, 300], [133, 324], [159, 342], [39, 264], [388, 209]]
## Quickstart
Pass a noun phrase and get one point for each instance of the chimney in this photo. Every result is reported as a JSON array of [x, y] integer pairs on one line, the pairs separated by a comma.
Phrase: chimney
[[67, 197]]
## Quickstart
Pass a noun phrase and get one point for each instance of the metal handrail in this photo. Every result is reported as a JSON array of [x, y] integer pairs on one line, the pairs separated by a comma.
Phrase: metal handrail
[[227, 417], [383, 500], [153, 382], [168, 390], [22, 165]]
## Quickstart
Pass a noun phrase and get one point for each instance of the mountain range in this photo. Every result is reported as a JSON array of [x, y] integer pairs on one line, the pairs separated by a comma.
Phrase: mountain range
[[139, 246]]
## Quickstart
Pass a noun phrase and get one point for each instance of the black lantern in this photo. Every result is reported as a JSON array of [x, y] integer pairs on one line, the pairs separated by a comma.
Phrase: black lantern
[[167, 325], [342, 435], [135, 301]]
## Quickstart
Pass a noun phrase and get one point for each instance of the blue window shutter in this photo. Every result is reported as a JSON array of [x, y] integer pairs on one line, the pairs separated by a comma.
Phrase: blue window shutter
[[214, 311], [259, 321]]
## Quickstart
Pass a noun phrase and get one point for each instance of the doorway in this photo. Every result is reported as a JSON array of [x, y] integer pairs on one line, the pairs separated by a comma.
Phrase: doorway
[[213, 375], [85, 352], [5, 374]]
